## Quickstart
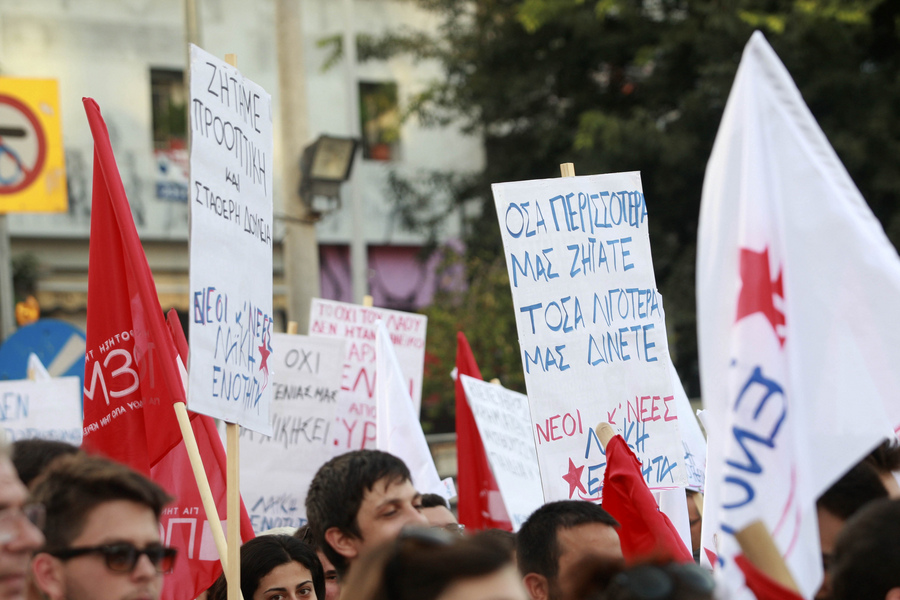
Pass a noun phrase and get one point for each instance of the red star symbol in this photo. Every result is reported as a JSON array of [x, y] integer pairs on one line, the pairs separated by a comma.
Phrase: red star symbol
[[573, 478], [264, 353], [758, 291]]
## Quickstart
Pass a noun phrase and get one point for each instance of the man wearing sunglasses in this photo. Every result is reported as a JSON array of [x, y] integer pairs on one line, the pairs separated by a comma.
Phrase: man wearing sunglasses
[[102, 531], [19, 533]]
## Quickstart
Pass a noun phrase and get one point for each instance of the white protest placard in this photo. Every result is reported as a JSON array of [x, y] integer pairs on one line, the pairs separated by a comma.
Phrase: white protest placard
[[276, 470], [46, 409], [504, 424], [591, 328], [691, 436], [231, 244], [355, 422]]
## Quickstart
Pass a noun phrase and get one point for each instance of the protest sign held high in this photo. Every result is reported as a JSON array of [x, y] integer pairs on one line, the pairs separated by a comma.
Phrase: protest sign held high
[[47, 409], [231, 244], [355, 421], [277, 470], [591, 328], [798, 361], [504, 423]]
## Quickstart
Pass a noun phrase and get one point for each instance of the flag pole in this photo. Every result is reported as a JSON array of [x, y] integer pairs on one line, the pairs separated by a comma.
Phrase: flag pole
[[209, 504], [567, 170], [232, 487]]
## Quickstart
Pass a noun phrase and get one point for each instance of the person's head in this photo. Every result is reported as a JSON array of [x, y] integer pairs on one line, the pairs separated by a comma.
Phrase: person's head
[[885, 458], [358, 500], [332, 585], [599, 578], [429, 564], [102, 531], [695, 519], [19, 535], [438, 513], [32, 456], [276, 566], [866, 564], [555, 537], [859, 486]]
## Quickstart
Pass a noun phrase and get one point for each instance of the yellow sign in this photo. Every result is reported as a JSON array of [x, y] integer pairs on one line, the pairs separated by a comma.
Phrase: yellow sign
[[32, 160]]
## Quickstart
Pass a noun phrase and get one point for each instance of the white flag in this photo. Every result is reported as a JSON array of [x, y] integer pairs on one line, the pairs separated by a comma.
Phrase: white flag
[[797, 287], [397, 429]]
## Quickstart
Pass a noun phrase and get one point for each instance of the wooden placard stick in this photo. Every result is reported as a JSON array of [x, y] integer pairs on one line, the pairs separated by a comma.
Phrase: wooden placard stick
[[760, 549], [233, 487], [368, 301], [292, 327], [567, 170]]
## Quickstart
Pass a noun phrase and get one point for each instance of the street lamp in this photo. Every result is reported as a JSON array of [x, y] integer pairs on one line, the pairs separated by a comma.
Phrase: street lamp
[[324, 166]]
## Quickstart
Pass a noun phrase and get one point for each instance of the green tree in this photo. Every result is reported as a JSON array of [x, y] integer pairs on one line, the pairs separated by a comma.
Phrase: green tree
[[614, 86]]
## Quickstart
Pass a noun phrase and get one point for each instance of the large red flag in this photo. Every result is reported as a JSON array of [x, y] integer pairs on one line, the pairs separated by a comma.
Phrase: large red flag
[[645, 531], [130, 374], [132, 379], [480, 504]]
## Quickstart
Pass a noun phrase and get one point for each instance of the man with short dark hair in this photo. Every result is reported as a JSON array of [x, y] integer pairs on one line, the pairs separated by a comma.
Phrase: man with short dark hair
[[19, 535], [359, 500], [438, 513], [856, 488], [555, 538], [866, 563], [332, 585], [102, 532]]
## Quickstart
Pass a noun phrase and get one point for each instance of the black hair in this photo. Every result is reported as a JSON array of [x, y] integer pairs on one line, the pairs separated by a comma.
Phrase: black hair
[[537, 546], [262, 554], [337, 491], [859, 486], [421, 564], [432, 500], [886, 456], [31, 456], [866, 563]]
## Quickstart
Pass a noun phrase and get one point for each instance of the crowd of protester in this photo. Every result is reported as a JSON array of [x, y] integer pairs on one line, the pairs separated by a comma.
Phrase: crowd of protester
[[78, 527]]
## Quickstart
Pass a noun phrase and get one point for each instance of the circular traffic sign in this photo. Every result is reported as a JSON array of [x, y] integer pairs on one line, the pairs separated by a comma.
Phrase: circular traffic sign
[[23, 145]]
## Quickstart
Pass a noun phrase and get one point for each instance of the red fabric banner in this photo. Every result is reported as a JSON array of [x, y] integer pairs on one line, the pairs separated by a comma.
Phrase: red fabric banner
[[132, 379], [480, 504], [645, 532]]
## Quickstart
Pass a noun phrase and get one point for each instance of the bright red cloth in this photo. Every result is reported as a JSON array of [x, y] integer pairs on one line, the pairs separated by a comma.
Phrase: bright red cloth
[[761, 585], [475, 481], [132, 379], [645, 531]]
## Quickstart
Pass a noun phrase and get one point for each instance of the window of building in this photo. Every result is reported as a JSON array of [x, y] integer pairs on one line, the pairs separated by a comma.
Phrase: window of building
[[380, 120], [169, 103]]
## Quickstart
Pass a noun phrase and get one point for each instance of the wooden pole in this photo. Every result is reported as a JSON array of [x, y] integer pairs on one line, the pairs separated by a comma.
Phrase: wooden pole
[[567, 169], [209, 504], [233, 487], [368, 301], [232, 483], [292, 327], [760, 549]]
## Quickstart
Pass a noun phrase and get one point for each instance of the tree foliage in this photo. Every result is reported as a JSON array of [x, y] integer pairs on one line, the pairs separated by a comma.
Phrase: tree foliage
[[613, 85]]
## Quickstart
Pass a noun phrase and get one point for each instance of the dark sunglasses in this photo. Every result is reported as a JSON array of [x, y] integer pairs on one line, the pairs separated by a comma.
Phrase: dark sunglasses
[[123, 557], [655, 582]]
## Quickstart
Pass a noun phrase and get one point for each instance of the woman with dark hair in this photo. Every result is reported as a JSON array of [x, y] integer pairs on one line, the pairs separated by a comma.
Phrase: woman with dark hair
[[276, 567], [430, 564]]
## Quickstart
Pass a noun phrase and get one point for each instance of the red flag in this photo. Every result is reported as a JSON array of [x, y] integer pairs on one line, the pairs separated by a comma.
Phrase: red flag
[[132, 379], [480, 504], [130, 375], [762, 586], [645, 531]]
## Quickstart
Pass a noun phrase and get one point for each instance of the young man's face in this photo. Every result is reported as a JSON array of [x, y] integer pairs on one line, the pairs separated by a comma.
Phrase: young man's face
[[87, 577], [386, 509], [18, 537], [575, 543]]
